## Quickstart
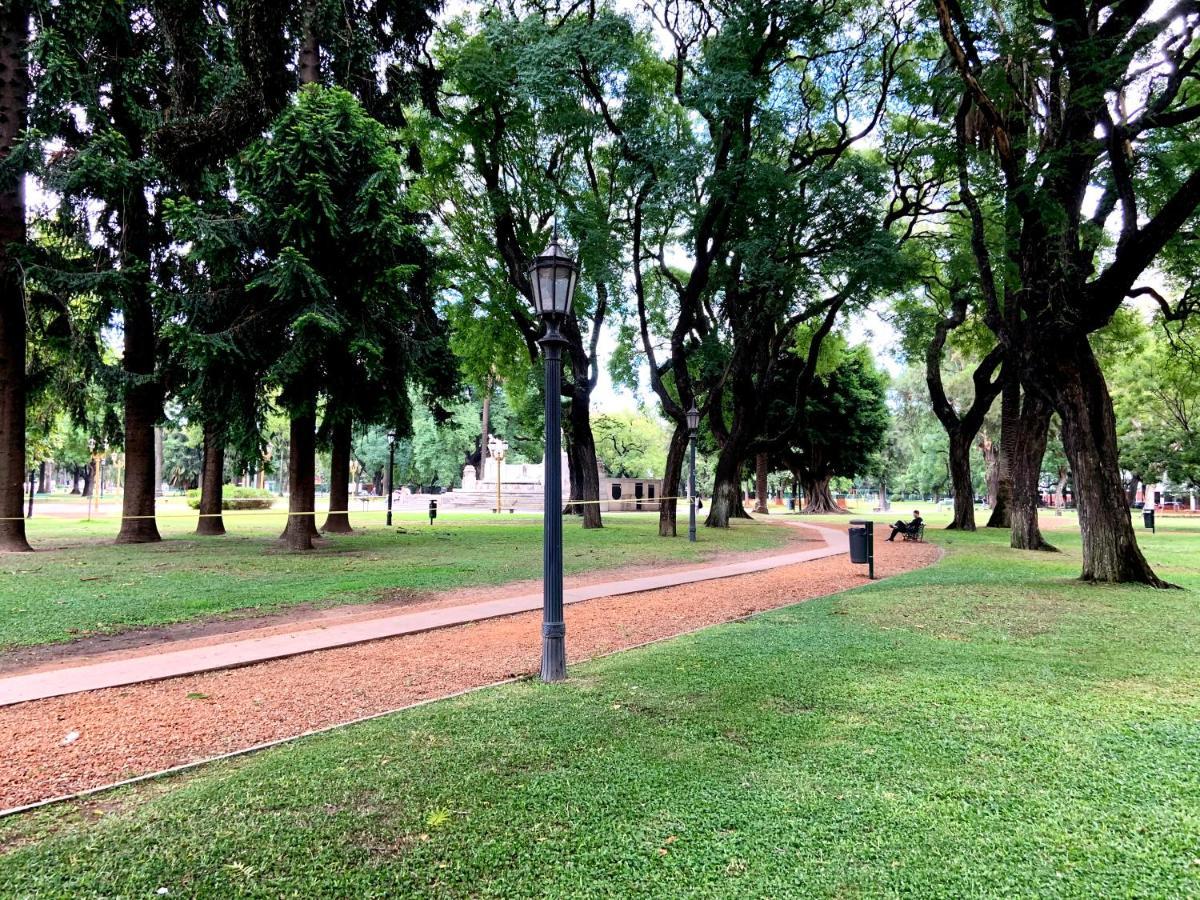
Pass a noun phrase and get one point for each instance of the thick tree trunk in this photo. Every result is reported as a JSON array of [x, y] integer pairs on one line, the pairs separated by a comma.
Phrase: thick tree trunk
[[309, 57], [341, 438], [301, 528], [726, 502], [45, 477], [1026, 469], [674, 475], [1135, 479], [583, 470], [14, 86], [1060, 490], [212, 483], [1010, 415], [1071, 379], [991, 463], [760, 484], [885, 502], [960, 479], [818, 498]]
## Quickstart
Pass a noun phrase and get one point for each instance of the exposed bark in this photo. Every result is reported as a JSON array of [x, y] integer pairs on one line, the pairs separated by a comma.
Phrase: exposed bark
[[960, 429], [990, 450], [485, 428], [301, 528], [143, 390], [760, 484], [818, 498], [673, 480], [1135, 480], [14, 86], [340, 440], [1025, 467], [726, 502], [583, 470], [212, 483], [960, 479], [1060, 489], [1010, 423], [309, 59], [44, 477], [1071, 378]]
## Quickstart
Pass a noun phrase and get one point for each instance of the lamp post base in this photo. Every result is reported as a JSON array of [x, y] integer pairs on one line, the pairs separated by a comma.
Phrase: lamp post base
[[554, 657]]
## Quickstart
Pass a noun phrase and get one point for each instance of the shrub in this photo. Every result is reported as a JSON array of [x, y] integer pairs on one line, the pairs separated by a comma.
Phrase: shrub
[[233, 497]]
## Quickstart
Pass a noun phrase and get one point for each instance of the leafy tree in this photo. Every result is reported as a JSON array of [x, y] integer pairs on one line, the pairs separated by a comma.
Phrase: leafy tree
[[516, 142], [347, 281], [631, 444], [1055, 107], [845, 423], [1157, 391]]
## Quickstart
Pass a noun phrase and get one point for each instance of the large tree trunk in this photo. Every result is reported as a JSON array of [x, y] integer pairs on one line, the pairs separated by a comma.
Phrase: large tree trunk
[[309, 58], [991, 463], [960, 479], [1026, 470], [673, 481], [341, 438], [212, 483], [726, 500], [14, 87], [1135, 479], [583, 470], [301, 528], [1071, 379], [1010, 415], [760, 484], [143, 404], [1060, 490], [818, 498]]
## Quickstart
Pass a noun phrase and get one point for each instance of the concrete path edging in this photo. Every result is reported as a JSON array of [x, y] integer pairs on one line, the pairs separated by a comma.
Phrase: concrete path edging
[[231, 654]]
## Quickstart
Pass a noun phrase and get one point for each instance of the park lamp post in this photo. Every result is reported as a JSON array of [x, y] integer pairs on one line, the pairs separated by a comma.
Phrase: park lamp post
[[391, 439], [693, 423], [552, 278]]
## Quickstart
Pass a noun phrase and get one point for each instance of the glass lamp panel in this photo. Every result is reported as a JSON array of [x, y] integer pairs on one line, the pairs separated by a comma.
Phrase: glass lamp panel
[[545, 289]]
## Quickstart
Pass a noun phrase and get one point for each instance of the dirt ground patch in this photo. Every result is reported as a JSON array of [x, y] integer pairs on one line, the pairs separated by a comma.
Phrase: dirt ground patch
[[198, 632], [66, 744]]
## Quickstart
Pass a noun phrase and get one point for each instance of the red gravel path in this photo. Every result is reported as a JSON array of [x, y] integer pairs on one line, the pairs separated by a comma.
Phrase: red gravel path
[[123, 732]]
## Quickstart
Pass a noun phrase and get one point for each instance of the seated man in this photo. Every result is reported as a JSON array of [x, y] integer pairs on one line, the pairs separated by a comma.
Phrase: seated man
[[913, 527]]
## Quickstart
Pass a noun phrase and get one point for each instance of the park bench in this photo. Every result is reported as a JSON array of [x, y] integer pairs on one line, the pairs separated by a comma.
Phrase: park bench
[[918, 536]]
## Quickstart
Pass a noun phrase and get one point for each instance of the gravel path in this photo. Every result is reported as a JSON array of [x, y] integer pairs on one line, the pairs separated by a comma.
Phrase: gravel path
[[66, 744]]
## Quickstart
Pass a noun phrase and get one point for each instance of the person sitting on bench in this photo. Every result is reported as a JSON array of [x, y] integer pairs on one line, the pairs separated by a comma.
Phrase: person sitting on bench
[[913, 527]]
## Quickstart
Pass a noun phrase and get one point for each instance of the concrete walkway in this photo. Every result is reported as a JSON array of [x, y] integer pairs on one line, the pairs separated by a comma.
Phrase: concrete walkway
[[241, 652]]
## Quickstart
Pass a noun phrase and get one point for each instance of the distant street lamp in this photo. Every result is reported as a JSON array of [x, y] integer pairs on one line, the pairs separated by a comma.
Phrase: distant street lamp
[[552, 278], [391, 439], [693, 423]]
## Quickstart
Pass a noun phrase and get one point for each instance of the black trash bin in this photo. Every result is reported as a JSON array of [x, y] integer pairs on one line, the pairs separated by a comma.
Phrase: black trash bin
[[862, 544], [791, 504], [1148, 518], [858, 544]]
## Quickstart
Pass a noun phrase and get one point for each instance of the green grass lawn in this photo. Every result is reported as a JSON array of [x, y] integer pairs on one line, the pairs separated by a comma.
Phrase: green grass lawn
[[984, 727], [80, 583]]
